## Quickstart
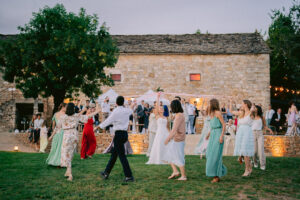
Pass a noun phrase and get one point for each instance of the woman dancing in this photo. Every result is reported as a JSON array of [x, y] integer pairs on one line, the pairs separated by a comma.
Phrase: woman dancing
[[214, 153], [54, 157], [175, 143], [202, 145], [158, 147], [69, 124], [244, 141], [88, 144], [258, 125]]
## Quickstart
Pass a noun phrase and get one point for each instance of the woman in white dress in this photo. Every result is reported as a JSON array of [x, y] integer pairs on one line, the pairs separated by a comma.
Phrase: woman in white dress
[[152, 130], [175, 143], [162, 132]]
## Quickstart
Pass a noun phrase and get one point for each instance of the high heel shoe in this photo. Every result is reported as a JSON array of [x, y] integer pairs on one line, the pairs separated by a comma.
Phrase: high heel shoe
[[174, 175]]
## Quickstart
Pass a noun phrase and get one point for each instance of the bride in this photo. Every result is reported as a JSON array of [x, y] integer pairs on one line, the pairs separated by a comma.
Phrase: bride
[[162, 132]]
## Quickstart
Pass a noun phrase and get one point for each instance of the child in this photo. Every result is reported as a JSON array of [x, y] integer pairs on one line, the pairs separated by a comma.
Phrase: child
[[43, 138]]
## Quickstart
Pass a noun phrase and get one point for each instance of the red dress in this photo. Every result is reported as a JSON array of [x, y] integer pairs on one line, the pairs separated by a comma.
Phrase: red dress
[[88, 144]]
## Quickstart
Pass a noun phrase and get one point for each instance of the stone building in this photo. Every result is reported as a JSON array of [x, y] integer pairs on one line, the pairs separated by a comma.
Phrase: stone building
[[222, 65]]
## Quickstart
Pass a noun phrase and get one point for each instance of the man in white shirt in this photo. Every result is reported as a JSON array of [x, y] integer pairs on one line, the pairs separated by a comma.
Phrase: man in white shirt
[[119, 118], [105, 108], [37, 128], [191, 114], [269, 114]]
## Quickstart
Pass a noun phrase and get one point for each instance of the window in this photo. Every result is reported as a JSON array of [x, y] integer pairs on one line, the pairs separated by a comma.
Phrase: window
[[116, 77], [195, 77]]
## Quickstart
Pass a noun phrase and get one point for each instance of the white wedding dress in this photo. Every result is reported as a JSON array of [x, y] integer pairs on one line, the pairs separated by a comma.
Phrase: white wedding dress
[[158, 147]]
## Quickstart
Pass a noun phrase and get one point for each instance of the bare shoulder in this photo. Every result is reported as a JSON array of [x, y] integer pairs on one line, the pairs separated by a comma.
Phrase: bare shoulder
[[218, 113]]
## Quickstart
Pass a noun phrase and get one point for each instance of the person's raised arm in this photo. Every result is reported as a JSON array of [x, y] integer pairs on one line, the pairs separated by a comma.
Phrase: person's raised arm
[[132, 105], [156, 112], [236, 113], [98, 110]]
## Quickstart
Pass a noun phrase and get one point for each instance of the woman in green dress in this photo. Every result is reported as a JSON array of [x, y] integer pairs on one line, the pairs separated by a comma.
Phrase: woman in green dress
[[54, 157], [214, 165]]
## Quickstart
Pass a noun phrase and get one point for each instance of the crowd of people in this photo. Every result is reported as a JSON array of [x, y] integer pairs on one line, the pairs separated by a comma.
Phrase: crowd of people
[[226, 130]]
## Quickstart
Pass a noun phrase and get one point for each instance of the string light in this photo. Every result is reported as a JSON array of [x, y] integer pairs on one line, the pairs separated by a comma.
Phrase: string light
[[284, 90]]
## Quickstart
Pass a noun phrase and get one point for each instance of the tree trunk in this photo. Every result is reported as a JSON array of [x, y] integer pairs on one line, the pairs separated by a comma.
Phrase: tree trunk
[[58, 99]]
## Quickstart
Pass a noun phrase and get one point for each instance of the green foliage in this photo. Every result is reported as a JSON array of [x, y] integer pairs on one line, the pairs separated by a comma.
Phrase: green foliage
[[59, 54], [198, 32], [284, 42], [26, 176]]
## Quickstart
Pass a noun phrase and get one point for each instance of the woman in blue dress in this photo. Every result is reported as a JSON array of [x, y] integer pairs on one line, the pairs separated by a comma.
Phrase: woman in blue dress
[[244, 141], [214, 153]]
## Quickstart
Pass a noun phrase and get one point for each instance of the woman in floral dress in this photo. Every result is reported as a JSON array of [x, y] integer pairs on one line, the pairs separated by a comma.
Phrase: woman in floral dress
[[69, 124]]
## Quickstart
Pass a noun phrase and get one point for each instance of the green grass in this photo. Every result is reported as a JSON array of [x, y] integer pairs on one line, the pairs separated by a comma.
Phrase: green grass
[[25, 176]]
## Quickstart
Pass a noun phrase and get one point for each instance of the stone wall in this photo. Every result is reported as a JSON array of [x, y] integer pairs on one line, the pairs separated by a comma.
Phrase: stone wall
[[239, 76], [277, 146], [282, 146], [9, 99], [139, 142]]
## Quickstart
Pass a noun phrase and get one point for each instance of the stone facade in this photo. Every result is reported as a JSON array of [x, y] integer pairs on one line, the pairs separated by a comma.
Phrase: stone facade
[[282, 146], [236, 76], [231, 66], [139, 142], [11, 103]]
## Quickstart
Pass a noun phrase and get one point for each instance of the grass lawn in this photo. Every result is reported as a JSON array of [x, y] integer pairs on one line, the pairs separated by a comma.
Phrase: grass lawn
[[25, 176]]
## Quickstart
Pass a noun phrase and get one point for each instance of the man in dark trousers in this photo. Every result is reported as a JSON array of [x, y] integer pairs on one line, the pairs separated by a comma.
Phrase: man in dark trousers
[[141, 115], [278, 120], [119, 118]]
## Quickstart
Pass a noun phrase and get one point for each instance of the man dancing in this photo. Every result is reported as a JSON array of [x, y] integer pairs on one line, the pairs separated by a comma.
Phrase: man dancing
[[119, 118]]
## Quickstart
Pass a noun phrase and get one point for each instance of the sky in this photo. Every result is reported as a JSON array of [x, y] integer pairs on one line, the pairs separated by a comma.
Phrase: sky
[[155, 16]]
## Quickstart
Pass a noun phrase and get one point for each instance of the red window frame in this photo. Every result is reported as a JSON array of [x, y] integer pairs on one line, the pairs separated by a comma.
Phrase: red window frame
[[116, 77], [195, 77]]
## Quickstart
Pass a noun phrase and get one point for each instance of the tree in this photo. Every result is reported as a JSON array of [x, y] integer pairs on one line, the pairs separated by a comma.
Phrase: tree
[[59, 54], [284, 42]]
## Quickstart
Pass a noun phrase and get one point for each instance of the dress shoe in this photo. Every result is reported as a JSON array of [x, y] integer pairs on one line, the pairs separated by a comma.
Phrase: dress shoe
[[104, 175], [129, 179]]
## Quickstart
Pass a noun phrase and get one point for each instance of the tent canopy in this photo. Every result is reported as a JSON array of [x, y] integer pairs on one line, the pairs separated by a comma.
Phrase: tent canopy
[[150, 97], [111, 94]]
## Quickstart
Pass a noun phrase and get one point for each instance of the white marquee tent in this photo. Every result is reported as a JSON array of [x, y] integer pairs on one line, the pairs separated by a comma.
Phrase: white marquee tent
[[111, 94], [150, 97]]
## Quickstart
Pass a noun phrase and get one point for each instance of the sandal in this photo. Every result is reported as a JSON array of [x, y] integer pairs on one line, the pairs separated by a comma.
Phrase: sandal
[[215, 180], [183, 178], [174, 175]]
